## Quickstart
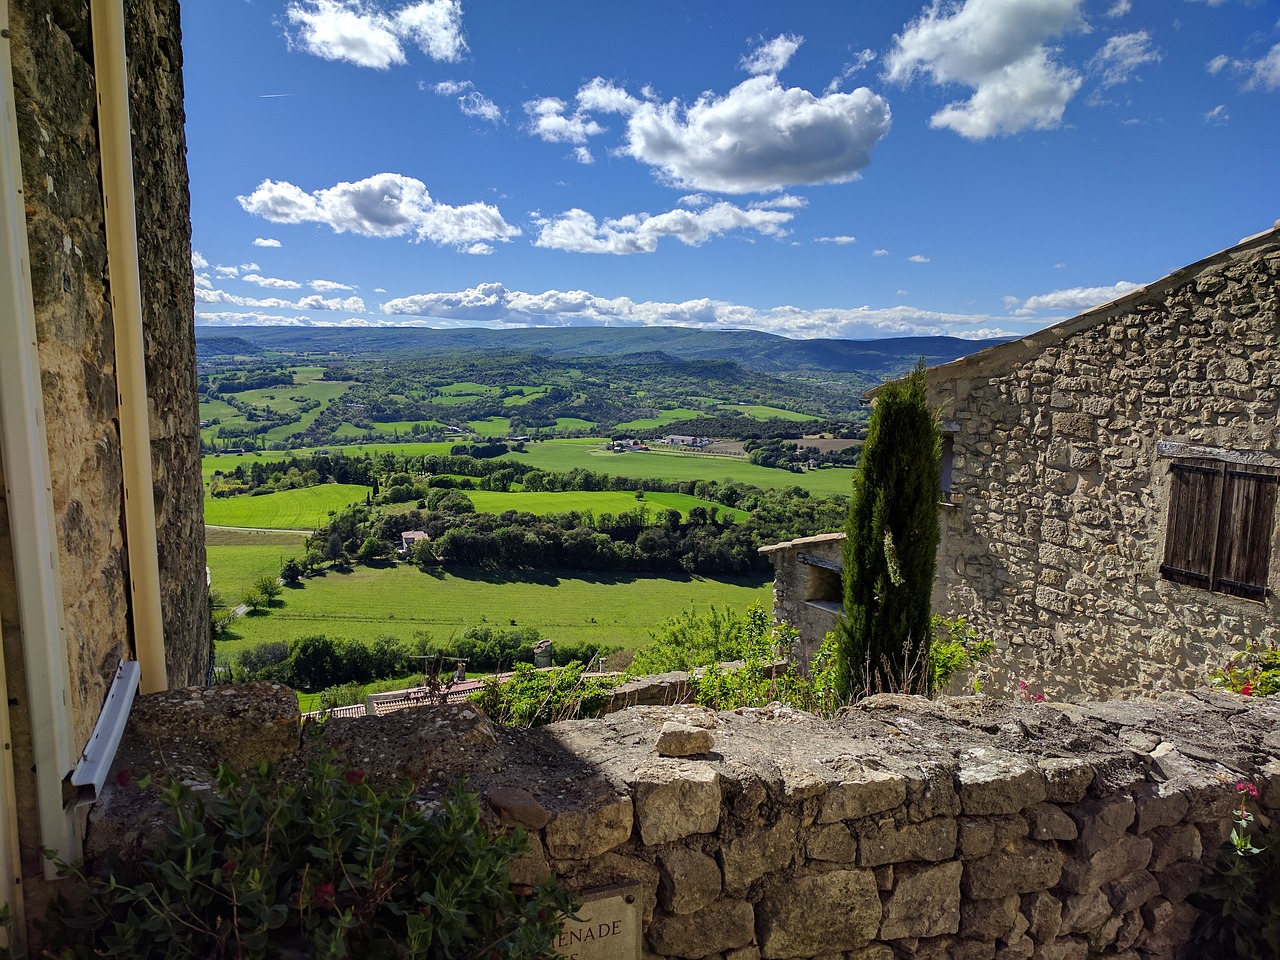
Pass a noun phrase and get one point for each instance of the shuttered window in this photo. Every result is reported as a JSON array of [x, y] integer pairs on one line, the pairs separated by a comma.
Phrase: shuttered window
[[1221, 518]]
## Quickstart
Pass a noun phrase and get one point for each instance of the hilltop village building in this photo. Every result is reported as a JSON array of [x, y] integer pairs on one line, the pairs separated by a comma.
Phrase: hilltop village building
[[1109, 489]]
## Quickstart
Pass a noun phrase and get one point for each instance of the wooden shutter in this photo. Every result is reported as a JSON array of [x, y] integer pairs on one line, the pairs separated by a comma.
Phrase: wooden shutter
[[1244, 531], [1195, 496]]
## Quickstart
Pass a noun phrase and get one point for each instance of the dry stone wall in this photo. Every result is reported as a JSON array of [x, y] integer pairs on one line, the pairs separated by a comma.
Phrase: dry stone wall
[[807, 587], [960, 828], [1053, 542]]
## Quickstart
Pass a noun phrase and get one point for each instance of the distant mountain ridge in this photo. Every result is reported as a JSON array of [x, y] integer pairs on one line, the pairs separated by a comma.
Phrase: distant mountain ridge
[[765, 352]]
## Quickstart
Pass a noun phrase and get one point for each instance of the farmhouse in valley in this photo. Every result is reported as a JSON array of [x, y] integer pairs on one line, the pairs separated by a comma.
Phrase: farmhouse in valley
[[1110, 484]]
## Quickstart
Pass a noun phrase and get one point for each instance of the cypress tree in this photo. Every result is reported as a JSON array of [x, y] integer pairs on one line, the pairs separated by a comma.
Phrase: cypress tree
[[890, 550]]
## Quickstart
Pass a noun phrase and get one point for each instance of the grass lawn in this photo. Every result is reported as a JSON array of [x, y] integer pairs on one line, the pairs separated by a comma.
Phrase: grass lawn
[[569, 606], [767, 413], [491, 427], [598, 502], [237, 558], [287, 510], [564, 455]]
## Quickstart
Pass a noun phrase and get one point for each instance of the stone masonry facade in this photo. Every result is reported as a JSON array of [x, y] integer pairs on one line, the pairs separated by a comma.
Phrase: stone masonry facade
[[1054, 535], [57, 124], [964, 828]]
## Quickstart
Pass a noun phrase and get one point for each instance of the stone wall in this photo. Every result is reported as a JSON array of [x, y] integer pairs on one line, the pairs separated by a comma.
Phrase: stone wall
[[807, 587], [1053, 542], [57, 122], [962, 828]]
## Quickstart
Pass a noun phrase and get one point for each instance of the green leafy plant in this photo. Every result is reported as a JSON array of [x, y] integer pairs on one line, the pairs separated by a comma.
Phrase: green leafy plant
[[328, 867], [533, 697], [1239, 902], [1254, 671]]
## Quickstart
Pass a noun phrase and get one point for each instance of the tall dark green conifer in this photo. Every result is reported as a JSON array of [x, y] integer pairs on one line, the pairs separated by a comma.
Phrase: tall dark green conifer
[[891, 546]]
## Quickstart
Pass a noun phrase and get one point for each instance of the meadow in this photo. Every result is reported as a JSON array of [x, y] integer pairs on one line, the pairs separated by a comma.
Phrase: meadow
[[565, 454], [598, 502], [365, 603], [303, 509], [237, 558]]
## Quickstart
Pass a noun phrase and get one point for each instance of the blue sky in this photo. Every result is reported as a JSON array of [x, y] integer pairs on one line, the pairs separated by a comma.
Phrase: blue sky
[[857, 169]]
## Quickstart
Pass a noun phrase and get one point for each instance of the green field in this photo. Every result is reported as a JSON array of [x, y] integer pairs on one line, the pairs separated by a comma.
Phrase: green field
[[766, 413], [307, 385], [564, 455], [237, 558], [662, 419], [301, 509], [568, 606], [491, 427], [591, 454], [598, 502]]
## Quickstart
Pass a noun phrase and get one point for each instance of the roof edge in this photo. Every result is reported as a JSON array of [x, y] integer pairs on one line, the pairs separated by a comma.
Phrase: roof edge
[[1035, 342]]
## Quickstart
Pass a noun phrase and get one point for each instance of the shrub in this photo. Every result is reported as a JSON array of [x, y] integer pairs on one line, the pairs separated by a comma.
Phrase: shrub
[[691, 640], [331, 867], [534, 697], [1254, 671], [268, 586]]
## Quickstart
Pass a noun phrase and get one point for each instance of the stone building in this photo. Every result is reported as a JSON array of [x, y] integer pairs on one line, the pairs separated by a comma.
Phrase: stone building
[[808, 590], [1109, 517], [101, 510]]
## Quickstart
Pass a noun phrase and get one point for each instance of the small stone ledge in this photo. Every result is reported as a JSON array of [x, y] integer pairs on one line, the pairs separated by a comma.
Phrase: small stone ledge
[[970, 826]]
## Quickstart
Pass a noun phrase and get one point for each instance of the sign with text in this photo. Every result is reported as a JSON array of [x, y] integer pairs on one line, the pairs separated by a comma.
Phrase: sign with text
[[607, 928]]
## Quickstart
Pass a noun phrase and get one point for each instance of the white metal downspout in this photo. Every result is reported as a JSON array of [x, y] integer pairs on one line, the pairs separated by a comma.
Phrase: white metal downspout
[[112, 80], [29, 496]]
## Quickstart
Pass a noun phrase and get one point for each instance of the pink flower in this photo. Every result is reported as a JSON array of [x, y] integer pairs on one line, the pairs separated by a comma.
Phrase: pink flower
[[322, 896], [1247, 689], [354, 776], [1248, 788]]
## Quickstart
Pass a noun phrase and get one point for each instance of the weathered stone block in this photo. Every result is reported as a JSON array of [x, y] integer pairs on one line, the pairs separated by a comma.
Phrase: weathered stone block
[[531, 866], [794, 918], [1021, 867], [1125, 854], [992, 782], [689, 880], [1066, 779], [1083, 913], [1044, 916], [676, 799], [932, 792], [1171, 844], [748, 858], [724, 925], [871, 792], [683, 740], [579, 834], [1073, 949], [925, 902], [1048, 822], [1179, 880], [1102, 822], [988, 919], [1157, 806], [832, 842], [888, 843], [1131, 892], [516, 806]]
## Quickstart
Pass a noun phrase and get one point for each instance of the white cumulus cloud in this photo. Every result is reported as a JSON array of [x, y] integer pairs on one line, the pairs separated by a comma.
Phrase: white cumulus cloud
[[265, 242], [384, 205], [329, 286], [363, 33], [493, 304], [879, 252], [1260, 74], [918, 258], [840, 240], [475, 104], [273, 283], [772, 56], [580, 232], [996, 47], [226, 271], [198, 262], [548, 121], [1121, 56], [1075, 298]]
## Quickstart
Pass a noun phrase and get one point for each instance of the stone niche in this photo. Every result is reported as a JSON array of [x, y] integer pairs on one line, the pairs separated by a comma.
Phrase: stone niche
[[956, 828]]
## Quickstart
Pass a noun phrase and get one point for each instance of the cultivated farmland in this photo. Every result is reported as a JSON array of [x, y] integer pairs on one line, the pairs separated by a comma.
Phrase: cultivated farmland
[[302, 509]]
